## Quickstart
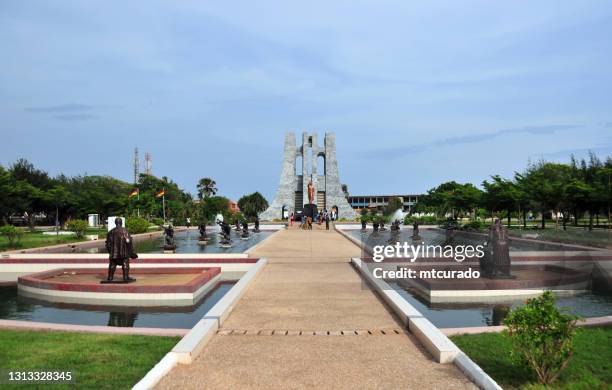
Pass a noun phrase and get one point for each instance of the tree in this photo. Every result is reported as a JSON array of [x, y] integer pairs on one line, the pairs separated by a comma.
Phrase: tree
[[211, 206], [206, 187], [500, 194], [545, 184], [59, 197], [253, 204], [453, 197]]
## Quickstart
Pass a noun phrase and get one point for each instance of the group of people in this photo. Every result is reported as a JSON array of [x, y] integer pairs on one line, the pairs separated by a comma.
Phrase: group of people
[[319, 218]]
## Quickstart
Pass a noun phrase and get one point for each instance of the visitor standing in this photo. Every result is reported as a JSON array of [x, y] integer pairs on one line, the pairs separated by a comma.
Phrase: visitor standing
[[326, 216], [291, 220]]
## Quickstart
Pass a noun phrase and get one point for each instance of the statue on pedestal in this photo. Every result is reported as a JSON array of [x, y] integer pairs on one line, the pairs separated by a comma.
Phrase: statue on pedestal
[[496, 263], [256, 229], [415, 230], [395, 225], [311, 192], [203, 239], [245, 230], [169, 244], [226, 240], [450, 235], [120, 251]]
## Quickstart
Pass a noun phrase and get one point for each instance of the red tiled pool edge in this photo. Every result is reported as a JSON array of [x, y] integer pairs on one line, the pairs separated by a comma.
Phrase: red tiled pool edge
[[37, 281]]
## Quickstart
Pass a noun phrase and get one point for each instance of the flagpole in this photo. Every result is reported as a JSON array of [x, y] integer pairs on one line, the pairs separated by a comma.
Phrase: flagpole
[[164, 203]]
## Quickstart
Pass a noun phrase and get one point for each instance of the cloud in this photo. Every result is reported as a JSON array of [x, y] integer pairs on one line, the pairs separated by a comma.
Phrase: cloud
[[602, 151], [391, 153], [70, 107], [75, 117]]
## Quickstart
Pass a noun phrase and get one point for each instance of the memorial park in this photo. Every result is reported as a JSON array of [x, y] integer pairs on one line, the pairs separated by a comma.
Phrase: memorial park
[[397, 195], [154, 264]]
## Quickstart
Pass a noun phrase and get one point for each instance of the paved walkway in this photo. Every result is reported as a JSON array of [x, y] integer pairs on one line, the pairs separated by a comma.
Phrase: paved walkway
[[309, 321]]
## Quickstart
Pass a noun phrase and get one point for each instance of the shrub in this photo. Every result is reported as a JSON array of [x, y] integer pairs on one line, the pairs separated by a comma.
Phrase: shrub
[[474, 225], [137, 225], [158, 221], [424, 220], [78, 226], [12, 233], [542, 336]]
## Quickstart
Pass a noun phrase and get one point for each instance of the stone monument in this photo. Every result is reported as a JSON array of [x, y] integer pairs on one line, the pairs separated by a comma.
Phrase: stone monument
[[325, 188]]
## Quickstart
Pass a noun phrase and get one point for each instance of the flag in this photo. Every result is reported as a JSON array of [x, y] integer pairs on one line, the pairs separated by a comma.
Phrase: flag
[[160, 193], [134, 192]]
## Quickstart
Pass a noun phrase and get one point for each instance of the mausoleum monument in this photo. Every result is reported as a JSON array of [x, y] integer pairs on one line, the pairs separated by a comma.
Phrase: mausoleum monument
[[293, 190]]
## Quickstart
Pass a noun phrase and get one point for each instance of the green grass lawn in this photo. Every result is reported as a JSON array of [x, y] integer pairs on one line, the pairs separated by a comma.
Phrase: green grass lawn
[[590, 367], [97, 361], [598, 237], [37, 239]]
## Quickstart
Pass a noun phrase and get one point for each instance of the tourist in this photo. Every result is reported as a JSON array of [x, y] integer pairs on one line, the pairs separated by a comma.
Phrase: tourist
[[326, 216], [291, 220]]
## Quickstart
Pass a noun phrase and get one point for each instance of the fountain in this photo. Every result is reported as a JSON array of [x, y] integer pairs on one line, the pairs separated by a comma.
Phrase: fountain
[[491, 276]]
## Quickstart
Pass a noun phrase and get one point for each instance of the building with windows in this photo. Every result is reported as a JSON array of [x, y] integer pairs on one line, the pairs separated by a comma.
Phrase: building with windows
[[359, 202]]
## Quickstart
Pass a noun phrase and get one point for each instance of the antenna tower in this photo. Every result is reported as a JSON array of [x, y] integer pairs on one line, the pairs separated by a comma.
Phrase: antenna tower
[[136, 166]]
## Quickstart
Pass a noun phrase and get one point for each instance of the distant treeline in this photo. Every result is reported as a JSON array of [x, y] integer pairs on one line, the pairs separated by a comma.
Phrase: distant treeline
[[576, 190], [33, 193]]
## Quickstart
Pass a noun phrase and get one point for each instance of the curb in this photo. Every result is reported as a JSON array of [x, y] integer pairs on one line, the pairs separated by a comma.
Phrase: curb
[[438, 344], [163, 367], [192, 344], [57, 327]]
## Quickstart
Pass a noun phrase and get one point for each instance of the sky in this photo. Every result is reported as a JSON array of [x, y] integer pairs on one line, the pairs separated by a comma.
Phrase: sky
[[417, 93]]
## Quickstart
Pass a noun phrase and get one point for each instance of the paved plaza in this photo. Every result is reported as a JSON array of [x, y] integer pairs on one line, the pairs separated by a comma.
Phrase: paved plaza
[[309, 321]]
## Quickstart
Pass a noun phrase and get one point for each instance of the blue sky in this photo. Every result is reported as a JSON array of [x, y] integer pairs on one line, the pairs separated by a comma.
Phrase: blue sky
[[417, 93]]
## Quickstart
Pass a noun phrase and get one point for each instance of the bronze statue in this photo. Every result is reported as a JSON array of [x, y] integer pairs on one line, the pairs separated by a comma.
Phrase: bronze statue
[[256, 229], [415, 230], [245, 229], [311, 192], [120, 251], [169, 238], [450, 235], [497, 262], [395, 225], [226, 240], [202, 229]]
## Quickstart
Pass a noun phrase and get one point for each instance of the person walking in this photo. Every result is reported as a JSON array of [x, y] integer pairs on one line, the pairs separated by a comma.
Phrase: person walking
[[326, 216], [291, 220]]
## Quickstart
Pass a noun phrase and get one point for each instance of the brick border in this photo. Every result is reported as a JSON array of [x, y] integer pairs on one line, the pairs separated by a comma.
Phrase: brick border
[[39, 281]]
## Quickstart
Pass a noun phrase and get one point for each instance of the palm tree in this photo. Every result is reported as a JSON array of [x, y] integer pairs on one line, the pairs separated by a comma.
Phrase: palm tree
[[206, 187]]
